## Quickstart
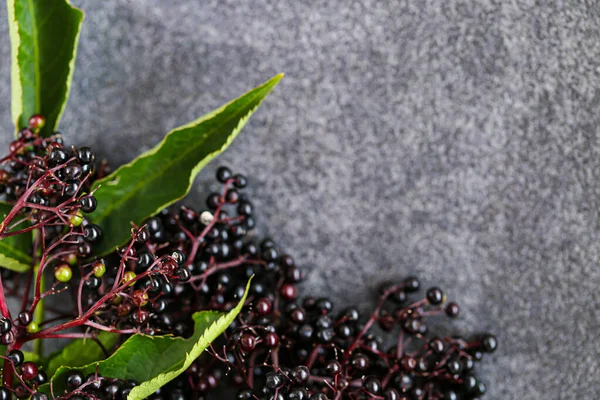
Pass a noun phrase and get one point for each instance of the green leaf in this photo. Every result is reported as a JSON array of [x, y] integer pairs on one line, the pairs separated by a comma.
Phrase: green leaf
[[44, 36], [164, 174], [81, 352], [14, 250], [155, 360]]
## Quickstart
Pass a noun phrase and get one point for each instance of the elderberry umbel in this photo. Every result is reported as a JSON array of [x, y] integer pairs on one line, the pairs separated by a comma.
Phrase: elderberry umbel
[[305, 350]]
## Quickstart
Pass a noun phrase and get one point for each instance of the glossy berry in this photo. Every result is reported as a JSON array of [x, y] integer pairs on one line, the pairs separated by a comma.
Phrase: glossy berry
[[28, 371], [223, 174], [372, 385], [435, 296], [92, 233], [300, 375], [5, 325], [85, 155], [247, 342], [88, 203], [411, 284], [452, 310], [273, 380], [40, 396], [16, 357], [25, 318], [36, 122], [489, 343], [63, 273], [58, 156]]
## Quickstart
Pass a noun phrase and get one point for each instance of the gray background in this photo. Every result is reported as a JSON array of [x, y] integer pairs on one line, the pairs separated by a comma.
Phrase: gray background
[[453, 140]]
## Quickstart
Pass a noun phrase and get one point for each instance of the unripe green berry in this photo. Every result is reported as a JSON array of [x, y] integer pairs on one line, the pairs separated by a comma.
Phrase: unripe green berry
[[63, 273], [76, 219], [99, 269], [71, 259], [129, 276], [33, 327]]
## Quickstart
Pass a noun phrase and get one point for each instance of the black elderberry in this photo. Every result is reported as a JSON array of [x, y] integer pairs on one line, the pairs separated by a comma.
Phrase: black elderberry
[[240, 181], [323, 322], [372, 385], [245, 394], [223, 174], [305, 332], [391, 394], [93, 382], [245, 208], [454, 366], [436, 345], [324, 305], [40, 378], [213, 201], [178, 256], [319, 396], [293, 274], [404, 382], [343, 331], [333, 367], [435, 296], [16, 357], [452, 310], [298, 394], [270, 254], [469, 383], [71, 188], [25, 318], [58, 156], [360, 362], [300, 375], [5, 325], [113, 389], [489, 343], [273, 380], [92, 233], [5, 394], [85, 155], [72, 171], [411, 284], [249, 223], [39, 396], [271, 340], [93, 282], [88, 203], [144, 260]]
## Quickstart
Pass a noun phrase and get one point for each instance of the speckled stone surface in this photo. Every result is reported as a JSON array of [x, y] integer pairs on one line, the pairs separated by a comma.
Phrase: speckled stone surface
[[453, 140]]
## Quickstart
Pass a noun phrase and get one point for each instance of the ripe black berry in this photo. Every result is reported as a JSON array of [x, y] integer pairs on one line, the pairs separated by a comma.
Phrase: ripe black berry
[[435, 296], [92, 233], [300, 375], [489, 343], [58, 156], [85, 155], [5, 325], [25, 318], [16, 357], [88, 203], [223, 174], [372, 385]]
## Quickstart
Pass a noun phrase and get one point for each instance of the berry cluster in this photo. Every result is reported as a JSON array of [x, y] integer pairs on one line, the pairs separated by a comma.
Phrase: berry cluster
[[184, 261]]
